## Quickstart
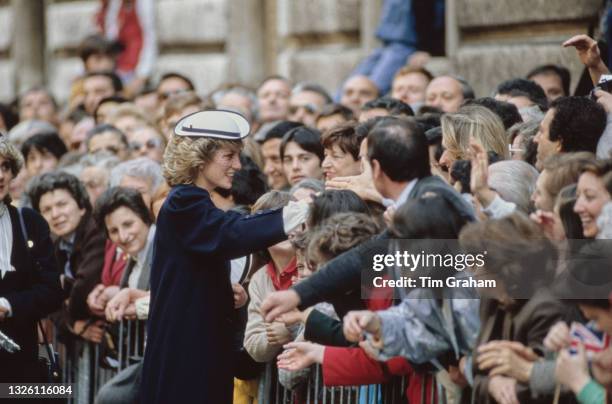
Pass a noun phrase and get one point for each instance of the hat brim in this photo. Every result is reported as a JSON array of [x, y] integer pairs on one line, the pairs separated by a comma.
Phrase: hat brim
[[206, 124]]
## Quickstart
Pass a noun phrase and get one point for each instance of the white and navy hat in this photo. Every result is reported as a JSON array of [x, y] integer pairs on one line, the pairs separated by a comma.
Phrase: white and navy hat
[[218, 124]]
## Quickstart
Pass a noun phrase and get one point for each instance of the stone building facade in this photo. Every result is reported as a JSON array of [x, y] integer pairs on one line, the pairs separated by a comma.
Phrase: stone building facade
[[214, 41]]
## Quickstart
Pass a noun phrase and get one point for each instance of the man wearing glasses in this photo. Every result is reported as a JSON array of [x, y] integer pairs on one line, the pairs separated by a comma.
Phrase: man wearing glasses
[[306, 102]]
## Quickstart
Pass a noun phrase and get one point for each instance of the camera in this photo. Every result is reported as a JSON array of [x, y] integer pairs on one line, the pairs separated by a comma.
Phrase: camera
[[605, 84]]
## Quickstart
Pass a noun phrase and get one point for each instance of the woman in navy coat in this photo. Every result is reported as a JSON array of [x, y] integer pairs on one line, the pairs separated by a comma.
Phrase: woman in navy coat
[[188, 357]]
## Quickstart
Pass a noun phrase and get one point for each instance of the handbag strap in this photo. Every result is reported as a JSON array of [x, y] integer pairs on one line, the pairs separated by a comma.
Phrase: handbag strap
[[24, 232]]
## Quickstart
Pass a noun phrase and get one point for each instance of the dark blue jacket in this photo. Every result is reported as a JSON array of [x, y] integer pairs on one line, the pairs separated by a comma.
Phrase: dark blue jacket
[[33, 291], [192, 319]]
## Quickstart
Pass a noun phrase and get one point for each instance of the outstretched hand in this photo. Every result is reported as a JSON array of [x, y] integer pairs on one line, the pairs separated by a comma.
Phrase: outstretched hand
[[277, 303]]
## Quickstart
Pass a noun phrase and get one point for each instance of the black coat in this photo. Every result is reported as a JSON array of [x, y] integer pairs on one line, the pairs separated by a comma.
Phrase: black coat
[[341, 278], [192, 321], [33, 291]]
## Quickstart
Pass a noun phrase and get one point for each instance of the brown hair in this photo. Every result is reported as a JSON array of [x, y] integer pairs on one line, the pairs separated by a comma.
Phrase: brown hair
[[406, 70], [345, 136], [564, 169], [338, 234], [514, 246]]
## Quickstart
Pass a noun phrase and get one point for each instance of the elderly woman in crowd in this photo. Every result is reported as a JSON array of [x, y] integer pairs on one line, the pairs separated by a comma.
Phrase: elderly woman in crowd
[[128, 222], [142, 174], [29, 283], [79, 245]]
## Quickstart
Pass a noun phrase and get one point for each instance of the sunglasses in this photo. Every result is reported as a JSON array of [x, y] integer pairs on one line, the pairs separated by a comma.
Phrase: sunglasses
[[150, 144], [309, 108]]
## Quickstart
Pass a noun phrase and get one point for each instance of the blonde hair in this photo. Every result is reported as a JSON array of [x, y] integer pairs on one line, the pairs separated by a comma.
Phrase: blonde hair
[[474, 121], [11, 154], [129, 109], [185, 155]]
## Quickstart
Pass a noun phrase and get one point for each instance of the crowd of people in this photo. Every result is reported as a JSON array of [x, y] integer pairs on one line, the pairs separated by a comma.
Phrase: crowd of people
[[111, 210]]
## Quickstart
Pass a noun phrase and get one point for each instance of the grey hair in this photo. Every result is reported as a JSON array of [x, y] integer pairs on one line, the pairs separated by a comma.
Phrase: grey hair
[[308, 183], [514, 181], [142, 167], [532, 113], [26, 129], [102, 159], [312, 87], [11, 153], [240, 90]]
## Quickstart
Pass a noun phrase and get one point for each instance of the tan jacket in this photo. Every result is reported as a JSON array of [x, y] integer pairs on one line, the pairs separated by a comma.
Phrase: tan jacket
[[255, 340]]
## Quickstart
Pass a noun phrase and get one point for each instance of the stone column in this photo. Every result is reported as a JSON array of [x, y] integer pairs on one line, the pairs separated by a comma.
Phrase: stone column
[[28, 46], [370, 13], [245, 42]]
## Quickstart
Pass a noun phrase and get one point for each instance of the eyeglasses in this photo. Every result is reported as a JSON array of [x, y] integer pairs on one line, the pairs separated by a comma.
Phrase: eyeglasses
[[150, 144], [168, 94], [309, 108], [111, 149]]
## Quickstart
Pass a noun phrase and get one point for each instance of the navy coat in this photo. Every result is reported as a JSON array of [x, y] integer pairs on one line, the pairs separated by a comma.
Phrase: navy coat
[[33, 291], [192, 321]]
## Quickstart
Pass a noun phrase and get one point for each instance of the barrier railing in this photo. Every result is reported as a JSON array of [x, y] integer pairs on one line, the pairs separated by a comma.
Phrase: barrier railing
[[89, 366], [314, 392]]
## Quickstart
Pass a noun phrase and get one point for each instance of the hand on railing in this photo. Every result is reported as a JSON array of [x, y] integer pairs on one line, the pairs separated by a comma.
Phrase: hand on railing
[[278, 303], [300, 355], [92, 331], [503, 390], [117, 307]]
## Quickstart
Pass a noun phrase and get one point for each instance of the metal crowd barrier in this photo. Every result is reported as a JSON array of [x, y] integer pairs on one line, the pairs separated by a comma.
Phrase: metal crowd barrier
[[314, 392], [88, 367]]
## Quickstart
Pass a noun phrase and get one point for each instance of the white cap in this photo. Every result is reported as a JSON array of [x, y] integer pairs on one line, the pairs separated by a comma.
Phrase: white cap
[[219, 124]]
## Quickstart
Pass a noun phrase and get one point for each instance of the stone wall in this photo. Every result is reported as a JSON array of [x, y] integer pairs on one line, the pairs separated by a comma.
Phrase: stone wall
[[214, 41], [498, 39]]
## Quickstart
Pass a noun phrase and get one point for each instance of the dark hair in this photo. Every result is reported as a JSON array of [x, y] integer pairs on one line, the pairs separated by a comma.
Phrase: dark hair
[[333, 109], [113, 98], [41, 142], [578, 123], [105, 127], [508, 112], [431, 216], [58, 180], [362, 129], [98, 45], [461, 170], [115, 80], [345, 137], [524, 88], [393, 106], [429, 120], [330, 202], [280, 129], [313, 88], [175, 75], [566, 199], [400, 147], [9, 116], [308, 139], [248, 184], [116, 197], [562, 72]]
